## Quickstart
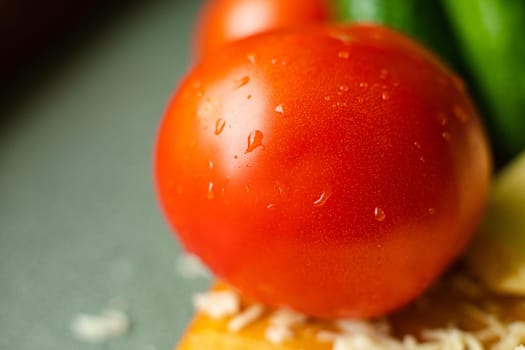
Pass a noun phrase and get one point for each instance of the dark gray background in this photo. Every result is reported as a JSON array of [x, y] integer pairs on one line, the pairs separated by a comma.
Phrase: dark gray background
[[79, 223]]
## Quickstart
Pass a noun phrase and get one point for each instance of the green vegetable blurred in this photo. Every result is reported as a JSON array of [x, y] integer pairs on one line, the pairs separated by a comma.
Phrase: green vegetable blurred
[[491, 36], [497, 256], [424, 21]]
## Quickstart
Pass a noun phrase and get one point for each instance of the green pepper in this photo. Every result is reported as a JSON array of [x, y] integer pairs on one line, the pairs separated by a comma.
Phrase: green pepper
[[425, 21], [491, 36]]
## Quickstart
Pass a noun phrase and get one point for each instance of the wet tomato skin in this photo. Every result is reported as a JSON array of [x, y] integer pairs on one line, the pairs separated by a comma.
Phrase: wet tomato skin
[[333, 170], [224, 21]]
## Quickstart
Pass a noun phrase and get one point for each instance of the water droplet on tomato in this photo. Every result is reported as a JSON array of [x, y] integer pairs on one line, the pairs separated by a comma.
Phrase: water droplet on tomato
[[251, 58], [279, 109], [343, 88], [210, 164], [327, 98], [281, 189], [219, 126], [323, 198], [446, 135], [343, 54], [241, 82], [385, 95], [363, 84], [210, 194], [270, 206], [431, 211], [254, 140], [417, 145], [379, 214]]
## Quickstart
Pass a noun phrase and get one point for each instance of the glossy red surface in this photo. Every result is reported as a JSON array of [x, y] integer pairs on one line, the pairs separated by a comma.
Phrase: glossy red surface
[[334, 170]]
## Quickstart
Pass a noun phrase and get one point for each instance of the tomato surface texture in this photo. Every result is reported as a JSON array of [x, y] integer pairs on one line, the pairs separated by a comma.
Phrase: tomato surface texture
[[333, 170], [223, 21]]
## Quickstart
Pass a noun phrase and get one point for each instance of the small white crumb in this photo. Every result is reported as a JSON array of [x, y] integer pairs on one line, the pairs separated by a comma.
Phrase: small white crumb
[[280, 325], [245, 318], [519, 347], [410, 342], [286, 318], [190, 267], [217, 304], [354, 342], [453, 339], [514, 337], [277, 334], [99, 328], [450, 337], [472, 342]]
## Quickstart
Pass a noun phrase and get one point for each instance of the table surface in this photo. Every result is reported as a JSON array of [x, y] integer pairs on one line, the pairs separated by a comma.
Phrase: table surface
[[79, 222]]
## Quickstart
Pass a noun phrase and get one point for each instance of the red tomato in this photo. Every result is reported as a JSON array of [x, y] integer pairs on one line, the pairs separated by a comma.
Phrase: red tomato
[[336, 171], [223, 21]]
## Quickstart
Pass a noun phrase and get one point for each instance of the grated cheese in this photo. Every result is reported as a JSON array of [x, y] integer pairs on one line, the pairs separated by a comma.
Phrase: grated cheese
[[375, 334], [355, 342], [453, 339], [217, 304], [277, 335], [245, 318], [280, 325], [99, 328], [515, 336], [286, 318]]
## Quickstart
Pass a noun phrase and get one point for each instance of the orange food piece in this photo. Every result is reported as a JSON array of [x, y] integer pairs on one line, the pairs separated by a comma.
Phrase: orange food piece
[[458, 306]]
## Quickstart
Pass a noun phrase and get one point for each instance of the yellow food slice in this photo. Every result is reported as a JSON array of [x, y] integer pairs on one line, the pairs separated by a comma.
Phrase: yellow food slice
[[497, 256], [205, 333]]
